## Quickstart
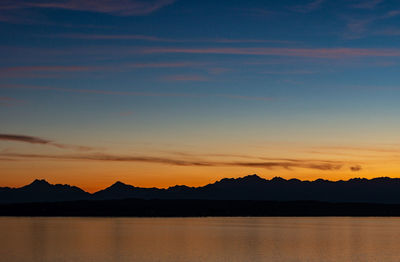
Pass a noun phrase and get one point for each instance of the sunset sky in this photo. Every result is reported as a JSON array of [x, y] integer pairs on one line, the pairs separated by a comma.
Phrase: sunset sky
[[165, 92]]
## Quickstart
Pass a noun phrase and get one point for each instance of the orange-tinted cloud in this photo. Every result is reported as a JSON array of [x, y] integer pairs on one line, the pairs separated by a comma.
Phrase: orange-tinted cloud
[[361, 149], [287, 164], [355, 168], [41, 141], [26, 139]]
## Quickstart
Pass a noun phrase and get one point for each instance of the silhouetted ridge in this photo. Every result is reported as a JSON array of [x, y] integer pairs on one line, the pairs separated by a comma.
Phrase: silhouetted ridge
[[39, 182], [252, 187], [119, 185], [42, 191], [121, 190], [278, 179]]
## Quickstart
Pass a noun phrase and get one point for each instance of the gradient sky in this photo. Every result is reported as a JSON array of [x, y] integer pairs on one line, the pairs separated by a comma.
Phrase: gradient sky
[[165, 92]]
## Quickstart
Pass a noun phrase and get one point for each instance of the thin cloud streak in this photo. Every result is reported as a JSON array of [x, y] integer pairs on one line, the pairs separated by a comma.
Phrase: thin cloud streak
[[311, 6], [115, 37], [358, 27], [318, 53], [291, 72], [26, 139], [47, 69], [367, 4], [172, 40], [44, 71], [185, 78], [285, 164], [164, 65], [8, 101], [100, 92], [40, 141], [355, 168], [139, 94], [115, 7], [54, 70], [251, 98], [389, 32], [331, 53], [361, 149]]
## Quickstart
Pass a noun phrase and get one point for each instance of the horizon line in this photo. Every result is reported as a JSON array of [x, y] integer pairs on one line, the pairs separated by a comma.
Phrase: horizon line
[[42, 180]]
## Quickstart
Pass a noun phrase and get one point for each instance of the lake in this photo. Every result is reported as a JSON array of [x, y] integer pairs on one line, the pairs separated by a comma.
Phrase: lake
[[274, 239]]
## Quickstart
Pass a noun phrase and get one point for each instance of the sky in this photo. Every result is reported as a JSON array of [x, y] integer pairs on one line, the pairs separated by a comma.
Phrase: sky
[[166, 92]]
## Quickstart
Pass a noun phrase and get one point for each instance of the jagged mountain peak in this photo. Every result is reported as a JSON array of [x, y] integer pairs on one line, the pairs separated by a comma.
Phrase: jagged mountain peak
[[119, 184], [278, 179], [39, 182], [382, 190]]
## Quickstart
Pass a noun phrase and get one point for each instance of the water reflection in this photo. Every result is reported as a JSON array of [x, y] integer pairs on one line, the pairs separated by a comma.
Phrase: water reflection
[[199, 239]]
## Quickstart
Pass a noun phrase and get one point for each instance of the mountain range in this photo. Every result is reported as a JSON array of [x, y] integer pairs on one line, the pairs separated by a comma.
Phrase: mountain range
[[252, 187]]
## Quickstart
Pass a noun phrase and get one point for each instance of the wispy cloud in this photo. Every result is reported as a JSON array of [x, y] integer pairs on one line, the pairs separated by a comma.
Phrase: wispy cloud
[[367, 4], [164, 65], [246, 97], [46, 69], [40, 141], [25, 139], [126, 113], [218, 70], [115, 7], [309, 7], [58, 70], [99, 92], [9, 101], [173, 40], [139, 94], [357, 28], [11, 16], [331, 53], [377, 149], [389, 32], [288, 164], [291, 164], [115, 37], [174, 158], [289, 72], [392, 13], [185, 78], [356, 168]]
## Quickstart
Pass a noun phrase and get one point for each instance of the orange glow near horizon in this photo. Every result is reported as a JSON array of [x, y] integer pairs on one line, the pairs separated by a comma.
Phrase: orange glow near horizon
[[97, 167], [93, 175]]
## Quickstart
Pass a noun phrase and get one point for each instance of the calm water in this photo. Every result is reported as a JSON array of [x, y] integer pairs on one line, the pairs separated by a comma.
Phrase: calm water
[[199, 239]]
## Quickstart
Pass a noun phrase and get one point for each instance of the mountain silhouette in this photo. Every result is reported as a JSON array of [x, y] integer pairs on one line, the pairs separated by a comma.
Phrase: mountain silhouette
[[42, 191], [120, 190], [252, 187]]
